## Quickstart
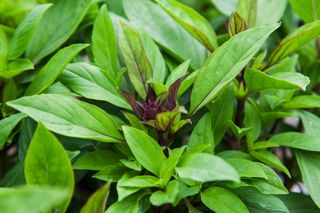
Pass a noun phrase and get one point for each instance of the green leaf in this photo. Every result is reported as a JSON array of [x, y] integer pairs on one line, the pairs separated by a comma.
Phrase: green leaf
[[104, 44], [222, 200], [236, 24], [310, 170], [56, 26], [258, 202], [97, 201], [258, 80], [303, 101], [226, 7], [14, 177], [237, 131], [311, 123], [143, 181], [7, 125], [294, 41], [299, 203], [90, 82], [124, 192], [164, 30], [178, 72], [252, 120], [203, 133], [170, 163], [270, 11], [215, 168], [145, 149], [192, 21], [270, 159], [31, 198], [129, 204], [226, 63], [16, 67], [247, 9], [24, 32], [96, 160], [247, 168], [3, 50], [68, 116], [221, 111], [134, 121], [48, 74], [308, 10], [54, 162], [112, 172], [297, 140], [138, 65]]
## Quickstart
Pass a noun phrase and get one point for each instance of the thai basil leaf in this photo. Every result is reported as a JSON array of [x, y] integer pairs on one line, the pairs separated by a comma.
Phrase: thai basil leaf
[[24, 32], [53, 159], [90, 82], [68, 116], [56, 26], [7, 125], [192, 21], [48, 74], [308, 10], [16, 67], [97, 202], [104, 44], [226, 63]]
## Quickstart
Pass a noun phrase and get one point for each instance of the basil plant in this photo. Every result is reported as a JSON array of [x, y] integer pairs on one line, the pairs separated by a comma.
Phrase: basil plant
[[159, 106]]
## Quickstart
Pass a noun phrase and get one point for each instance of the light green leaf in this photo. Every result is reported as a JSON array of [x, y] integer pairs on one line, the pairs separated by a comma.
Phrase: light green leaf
[[270, 11], [90, 82], [203, 133], [247, 168], [104, 44], [7, 125], [112, 172], [222, 200], [17, 67], [56, 26], [96, 160], [297, 140], [3, 50], [24, 32], [310, 170], [143, 181], [192, 21], [311, 123], [31, 198], [308, 10], [294, 41], [178, 72], [145, 148], [215, 168], [271, 160], [48, 74], [129, 204], [97, 202], [303, 101], [164, 30], [138, 65], [252, 120], [226, 63], [226, 6], [247, 9], [258, 80], [54, 162], [237, 131], [68, 116]]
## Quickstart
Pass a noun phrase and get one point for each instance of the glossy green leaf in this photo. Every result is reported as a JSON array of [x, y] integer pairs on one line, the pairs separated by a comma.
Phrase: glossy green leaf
[[16, 67], [31, 198], [308, 10], [143, 181], [258, 80], [294, 41], [226, 63], [97, 201], [303, 101], [270, 159], [222, 200], [178, 72], [247, 168], [48, 74], [56, 26], [138, 65], [247, 9], [214, 169], [203, 133], [145, 148], [310, 170], [68, 116], [252, 119], [258, 202], [192, 21], [165, 30], [24, 32], [297, 140], [54, 161], [3, 50], [96, 160], [90, 82], [7, 125], [104, 44], [111, 172], [129, 204]]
